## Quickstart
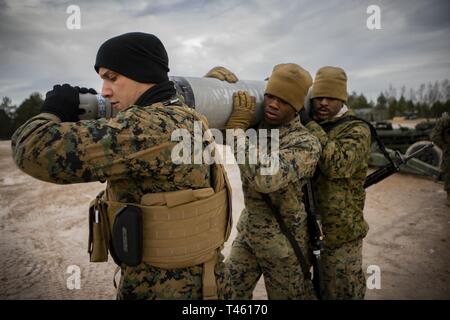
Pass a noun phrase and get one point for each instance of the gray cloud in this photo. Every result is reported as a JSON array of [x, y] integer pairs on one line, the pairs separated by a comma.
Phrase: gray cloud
[[37, 50], [3, 5], [429, 16], [165, 7]]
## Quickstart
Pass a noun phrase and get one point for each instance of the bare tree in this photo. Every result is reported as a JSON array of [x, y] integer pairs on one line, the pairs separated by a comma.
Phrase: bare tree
[[420, 93], [445, 90], [402, 91], [412, 95]]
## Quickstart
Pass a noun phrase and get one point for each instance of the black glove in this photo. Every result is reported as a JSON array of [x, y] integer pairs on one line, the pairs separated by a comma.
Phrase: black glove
[[305, 116], [63, 101], [86, 90]]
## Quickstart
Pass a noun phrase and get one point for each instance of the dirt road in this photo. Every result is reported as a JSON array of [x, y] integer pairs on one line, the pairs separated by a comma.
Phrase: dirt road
[[43, 231]]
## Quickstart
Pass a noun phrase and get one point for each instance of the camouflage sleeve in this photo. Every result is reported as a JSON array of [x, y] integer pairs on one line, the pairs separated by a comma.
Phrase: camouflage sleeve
[[342, 156], [85, 151], [437, 134], [318, 132], [277, 170]]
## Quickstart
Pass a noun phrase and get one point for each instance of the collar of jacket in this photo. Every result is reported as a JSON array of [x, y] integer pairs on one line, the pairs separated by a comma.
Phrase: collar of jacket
[[293, 124], [158, 93], [341, 112], [346, 112]]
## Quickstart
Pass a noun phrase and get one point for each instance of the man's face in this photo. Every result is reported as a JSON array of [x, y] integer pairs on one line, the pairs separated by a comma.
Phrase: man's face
[[325, 108], [277, 111], [120, 90]]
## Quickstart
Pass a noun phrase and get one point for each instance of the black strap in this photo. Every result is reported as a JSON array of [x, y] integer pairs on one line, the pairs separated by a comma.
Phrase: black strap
[[328, 126], [316, 237], [284, 229]]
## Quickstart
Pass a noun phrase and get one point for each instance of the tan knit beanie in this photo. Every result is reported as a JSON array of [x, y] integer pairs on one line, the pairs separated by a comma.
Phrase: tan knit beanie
[[289, 82], [330, 82]]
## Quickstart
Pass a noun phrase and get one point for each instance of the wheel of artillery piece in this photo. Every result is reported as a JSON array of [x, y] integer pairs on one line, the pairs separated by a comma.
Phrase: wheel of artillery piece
[[433, 156]]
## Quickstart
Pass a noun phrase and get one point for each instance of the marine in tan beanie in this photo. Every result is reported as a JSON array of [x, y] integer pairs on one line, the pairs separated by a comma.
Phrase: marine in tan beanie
[[338, 183], [284, 97], [329, 92], [294, 152], [285, 93], [330, 82], [289, 82]]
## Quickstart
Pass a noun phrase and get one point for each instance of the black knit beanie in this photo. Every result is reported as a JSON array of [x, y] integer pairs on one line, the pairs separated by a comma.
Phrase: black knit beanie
[[136, 55]]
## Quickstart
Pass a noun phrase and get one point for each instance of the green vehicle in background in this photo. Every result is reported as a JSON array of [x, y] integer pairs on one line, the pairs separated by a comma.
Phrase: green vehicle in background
[[406, 141]]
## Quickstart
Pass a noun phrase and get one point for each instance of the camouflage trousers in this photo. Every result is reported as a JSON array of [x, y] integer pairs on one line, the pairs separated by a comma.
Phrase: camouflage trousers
[[283, 276], [343, 277], [148, 282]]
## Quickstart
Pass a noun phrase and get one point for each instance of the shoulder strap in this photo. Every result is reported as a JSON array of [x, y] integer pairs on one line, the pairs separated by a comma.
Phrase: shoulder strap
[[327, 127]]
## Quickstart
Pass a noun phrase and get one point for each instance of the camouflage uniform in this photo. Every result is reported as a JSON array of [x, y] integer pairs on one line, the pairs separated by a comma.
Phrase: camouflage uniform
[[108, 150], [340, 196], [437, 136], [260, 247]]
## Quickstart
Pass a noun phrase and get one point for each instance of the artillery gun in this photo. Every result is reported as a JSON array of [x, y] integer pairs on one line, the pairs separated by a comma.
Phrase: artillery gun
[[407, 141]]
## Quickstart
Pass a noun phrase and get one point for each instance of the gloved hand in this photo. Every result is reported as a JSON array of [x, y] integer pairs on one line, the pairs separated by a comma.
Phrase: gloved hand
[[244, 107], [222, 74], [86, 90], [63, 101], [305, 112]]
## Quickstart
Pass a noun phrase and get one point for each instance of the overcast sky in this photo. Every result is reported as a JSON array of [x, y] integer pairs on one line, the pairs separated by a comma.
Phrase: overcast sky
[[37, 50]]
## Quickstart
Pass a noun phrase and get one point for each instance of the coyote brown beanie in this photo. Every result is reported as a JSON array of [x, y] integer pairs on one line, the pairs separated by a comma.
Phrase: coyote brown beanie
[[289, 82], [330, 82]]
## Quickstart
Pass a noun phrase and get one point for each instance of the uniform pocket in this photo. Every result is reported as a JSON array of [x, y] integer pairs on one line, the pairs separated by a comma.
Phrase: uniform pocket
[[275, 246], [98, 234]]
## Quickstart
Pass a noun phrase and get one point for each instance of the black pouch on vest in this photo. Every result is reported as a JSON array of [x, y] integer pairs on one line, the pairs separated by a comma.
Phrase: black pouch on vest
[[127, 235]]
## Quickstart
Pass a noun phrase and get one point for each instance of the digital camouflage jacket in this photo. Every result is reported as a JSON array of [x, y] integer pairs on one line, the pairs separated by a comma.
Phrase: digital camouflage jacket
[[338, 183], [132, 152]]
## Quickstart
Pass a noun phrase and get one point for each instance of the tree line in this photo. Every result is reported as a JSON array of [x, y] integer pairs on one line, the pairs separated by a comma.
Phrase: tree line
[[12, 117], [428, 101]]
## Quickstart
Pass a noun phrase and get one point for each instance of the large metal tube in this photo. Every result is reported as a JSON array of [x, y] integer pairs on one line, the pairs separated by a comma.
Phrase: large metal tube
[[211, 97], [214, 98], [94, 106]]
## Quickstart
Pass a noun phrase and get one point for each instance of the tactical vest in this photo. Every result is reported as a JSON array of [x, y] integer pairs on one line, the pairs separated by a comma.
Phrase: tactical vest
[[180, 228]]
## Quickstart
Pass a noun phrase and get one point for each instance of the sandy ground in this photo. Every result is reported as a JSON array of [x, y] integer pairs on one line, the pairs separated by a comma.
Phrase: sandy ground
[[44, 232], [410, 123]]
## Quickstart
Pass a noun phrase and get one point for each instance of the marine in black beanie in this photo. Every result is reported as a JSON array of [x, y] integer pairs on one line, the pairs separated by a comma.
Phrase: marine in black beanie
[[140, 57], [133, 153], [136, 55]]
